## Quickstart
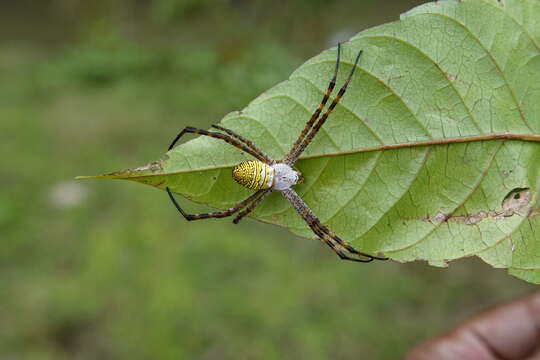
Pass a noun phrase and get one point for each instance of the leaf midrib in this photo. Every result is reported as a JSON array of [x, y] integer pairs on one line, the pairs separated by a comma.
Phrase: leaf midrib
[[421, 143]]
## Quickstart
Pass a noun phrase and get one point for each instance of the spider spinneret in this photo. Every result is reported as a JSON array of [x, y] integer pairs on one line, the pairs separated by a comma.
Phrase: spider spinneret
[[266, 175]]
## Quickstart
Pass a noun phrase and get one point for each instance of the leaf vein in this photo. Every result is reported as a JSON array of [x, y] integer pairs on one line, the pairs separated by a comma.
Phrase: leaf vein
[[520, 25], [385, 85], [296, 101], [373, 132], [469, 194], [497, 66]]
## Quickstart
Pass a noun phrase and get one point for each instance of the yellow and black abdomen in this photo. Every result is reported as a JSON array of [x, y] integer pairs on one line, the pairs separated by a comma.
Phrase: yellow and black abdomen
[[254, 174]]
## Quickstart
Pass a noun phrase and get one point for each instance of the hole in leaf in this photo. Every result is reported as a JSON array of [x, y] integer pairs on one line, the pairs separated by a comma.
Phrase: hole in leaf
[[517, 199]]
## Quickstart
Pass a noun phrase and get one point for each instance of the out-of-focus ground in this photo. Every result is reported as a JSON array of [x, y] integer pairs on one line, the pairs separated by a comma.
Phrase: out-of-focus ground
[[108, 270]]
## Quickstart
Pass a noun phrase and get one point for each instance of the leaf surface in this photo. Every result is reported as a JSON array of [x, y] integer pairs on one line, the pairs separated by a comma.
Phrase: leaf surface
[[451, 76]]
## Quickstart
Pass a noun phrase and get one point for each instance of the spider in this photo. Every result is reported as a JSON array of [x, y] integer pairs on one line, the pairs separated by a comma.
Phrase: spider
[[266, 175]]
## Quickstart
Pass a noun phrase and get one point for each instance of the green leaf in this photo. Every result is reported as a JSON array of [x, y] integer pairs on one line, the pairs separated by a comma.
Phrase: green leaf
[[433, 152]]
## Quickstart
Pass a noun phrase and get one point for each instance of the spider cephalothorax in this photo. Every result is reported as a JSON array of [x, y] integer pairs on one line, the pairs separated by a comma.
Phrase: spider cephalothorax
[[266, 175]]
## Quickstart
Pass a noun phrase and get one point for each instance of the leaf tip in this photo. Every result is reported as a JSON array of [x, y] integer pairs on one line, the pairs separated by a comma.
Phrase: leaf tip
[[83, 177], [87, 177], [149, 169]]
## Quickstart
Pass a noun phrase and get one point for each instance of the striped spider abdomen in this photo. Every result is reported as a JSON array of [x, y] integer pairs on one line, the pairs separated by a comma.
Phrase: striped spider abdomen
[[254, 175]]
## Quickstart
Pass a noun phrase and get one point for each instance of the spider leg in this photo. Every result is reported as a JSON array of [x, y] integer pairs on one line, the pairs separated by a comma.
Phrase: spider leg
[[341, 254], [331, 241], [317, 112], [216, 214], [323, 232], [307, 140], [251, 206], [217, 135], [247, 142]]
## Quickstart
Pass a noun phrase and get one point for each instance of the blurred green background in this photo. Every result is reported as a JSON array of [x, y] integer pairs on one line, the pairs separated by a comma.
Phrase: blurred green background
[[109, 270]]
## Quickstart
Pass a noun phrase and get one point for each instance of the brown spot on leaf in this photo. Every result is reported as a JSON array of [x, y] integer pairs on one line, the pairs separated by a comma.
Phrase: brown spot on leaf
[[394, 78], [506, 173], [451, 76], [515, 201], [534, 212], [155, 166]]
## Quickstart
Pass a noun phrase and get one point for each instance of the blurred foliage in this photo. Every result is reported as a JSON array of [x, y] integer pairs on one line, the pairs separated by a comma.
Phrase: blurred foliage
[[169, 11], [108, 270]]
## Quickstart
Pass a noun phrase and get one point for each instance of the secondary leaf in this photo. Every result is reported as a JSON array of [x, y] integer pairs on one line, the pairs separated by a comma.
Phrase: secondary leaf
[[451, 75]]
